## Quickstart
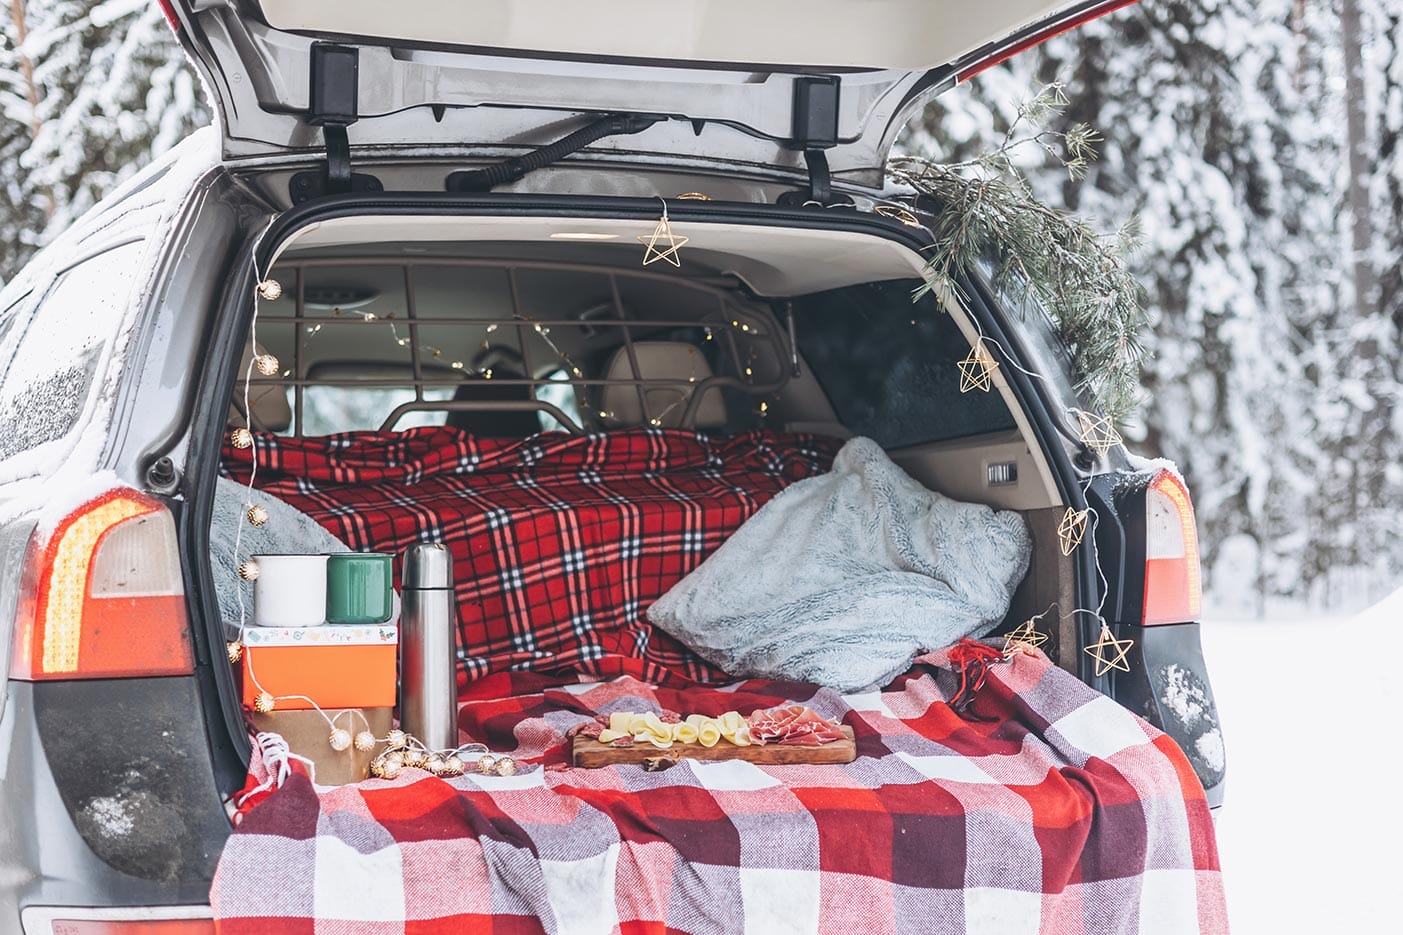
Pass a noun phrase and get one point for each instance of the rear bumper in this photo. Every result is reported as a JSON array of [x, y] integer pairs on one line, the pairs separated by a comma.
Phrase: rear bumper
[[143, 920], [107, 799], [1168, 686]]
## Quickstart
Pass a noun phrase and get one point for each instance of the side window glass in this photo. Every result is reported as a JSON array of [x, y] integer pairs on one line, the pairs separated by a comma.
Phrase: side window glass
[[560, 394], [49, 376], [891, 367], [10, 314]]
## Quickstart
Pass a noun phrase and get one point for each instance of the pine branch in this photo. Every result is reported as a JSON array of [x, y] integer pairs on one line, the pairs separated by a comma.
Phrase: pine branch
[[1075, 271]]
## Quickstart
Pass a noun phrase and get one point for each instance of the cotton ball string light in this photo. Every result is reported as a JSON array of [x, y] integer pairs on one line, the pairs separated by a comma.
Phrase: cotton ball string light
[[257, 516], [270, 289], [235, 649], [248, 569], [266, 364], [392, 766], [506, 766], [340, 739], [365, 741], [486, 764], [396, 739], [265, 703], [241, 438], [452, 766]]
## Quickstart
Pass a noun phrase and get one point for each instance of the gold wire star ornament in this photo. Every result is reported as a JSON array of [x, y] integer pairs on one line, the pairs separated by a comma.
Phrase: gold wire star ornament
[[1072, 530], [1115, 658], [1023, 639], [977, 370], [1098, 432], [662, 243], [899, 214]]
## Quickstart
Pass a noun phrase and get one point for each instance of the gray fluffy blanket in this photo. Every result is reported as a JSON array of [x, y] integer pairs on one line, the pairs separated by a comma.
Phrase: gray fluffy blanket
[[841, 580]]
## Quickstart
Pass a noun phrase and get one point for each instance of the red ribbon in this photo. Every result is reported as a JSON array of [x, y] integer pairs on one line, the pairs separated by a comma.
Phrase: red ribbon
[[970, 660]]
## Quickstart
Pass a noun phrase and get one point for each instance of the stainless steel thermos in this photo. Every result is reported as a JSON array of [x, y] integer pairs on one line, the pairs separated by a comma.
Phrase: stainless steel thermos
[[427, 661]]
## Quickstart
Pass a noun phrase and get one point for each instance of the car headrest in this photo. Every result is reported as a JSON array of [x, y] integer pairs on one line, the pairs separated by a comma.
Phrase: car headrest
[[269, 410], [660, 360]]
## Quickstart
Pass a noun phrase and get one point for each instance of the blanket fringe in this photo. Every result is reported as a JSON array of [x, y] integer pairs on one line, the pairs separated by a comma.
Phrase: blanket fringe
[[276, 759], [971, 660]]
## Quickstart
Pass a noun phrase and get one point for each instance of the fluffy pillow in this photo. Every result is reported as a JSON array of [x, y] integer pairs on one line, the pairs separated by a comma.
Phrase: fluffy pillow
[[842, 579]]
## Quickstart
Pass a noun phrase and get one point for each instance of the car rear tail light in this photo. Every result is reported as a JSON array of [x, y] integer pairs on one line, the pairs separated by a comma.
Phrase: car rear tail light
[[1173, 589], [102, 596], [1051, 31], [168, 8]]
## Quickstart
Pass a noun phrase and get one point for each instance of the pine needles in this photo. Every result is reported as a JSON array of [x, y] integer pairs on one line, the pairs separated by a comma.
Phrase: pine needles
[[988, 212]]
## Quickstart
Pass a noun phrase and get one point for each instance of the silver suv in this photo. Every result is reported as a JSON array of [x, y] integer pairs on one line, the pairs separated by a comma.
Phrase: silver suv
[[365, 156]]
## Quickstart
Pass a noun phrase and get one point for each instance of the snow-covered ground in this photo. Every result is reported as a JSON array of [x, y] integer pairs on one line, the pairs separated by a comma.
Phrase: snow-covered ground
[[1311, 835]]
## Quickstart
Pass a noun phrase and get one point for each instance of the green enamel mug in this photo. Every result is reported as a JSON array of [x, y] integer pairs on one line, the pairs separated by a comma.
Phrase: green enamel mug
[[358, 587]]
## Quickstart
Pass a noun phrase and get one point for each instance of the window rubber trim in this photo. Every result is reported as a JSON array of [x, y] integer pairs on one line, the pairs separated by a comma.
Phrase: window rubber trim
[[236, 314]]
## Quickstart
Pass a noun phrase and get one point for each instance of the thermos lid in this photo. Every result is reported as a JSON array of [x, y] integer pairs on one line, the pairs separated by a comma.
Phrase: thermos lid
[[427, 566]]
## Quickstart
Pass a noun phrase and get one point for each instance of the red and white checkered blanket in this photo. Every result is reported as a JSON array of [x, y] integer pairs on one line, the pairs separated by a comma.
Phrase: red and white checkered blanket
[[1044, 808], [560, 543]]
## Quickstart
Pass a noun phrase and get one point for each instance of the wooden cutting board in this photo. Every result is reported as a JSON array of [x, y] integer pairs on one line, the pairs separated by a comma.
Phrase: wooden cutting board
[[591, 753]]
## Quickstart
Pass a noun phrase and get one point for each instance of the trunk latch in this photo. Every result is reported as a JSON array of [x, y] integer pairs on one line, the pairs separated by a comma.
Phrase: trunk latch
[[815, 130], [334, 105]]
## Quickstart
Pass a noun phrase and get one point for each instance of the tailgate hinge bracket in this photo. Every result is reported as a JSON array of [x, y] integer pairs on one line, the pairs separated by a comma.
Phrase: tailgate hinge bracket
[[815, 130], [334, 104]]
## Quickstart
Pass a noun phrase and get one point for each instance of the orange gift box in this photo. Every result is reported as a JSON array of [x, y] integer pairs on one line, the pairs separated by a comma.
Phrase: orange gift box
[[336, 666]]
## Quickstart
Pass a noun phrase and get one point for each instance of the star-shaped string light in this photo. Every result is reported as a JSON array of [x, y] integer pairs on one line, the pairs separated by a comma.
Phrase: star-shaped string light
[[1072, 530], [662, 243], [1098, 432], [898, 213], [977, 370], [1109, 652], [1023, 639]]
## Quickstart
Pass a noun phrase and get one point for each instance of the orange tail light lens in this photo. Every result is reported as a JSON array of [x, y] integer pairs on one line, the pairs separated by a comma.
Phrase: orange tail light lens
[[102, 595], [1173, 587]]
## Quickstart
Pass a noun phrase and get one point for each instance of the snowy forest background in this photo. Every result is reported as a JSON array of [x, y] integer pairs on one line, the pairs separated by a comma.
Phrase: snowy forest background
[[1257, 142]]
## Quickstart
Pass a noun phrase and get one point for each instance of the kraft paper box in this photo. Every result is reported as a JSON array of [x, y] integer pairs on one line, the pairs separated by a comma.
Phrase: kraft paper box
[[337, 666], [308, 736]]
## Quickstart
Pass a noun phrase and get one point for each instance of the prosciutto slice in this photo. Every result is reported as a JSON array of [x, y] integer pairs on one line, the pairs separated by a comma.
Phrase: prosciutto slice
[[792, 725]]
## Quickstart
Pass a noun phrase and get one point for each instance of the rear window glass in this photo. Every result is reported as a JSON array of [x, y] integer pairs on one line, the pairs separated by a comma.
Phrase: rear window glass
[[48, 378], [890, 367]]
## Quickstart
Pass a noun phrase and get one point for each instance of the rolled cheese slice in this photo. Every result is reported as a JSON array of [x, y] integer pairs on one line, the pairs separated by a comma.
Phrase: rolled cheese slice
[[734, 728], [684, 732], [709, 733]]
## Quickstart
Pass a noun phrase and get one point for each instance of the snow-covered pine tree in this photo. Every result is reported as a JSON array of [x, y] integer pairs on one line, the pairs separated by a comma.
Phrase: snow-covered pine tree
[[1220, 121], [90, 90]]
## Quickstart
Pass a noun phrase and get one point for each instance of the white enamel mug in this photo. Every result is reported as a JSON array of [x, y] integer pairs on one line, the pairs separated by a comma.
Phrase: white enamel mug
[[290, 591]]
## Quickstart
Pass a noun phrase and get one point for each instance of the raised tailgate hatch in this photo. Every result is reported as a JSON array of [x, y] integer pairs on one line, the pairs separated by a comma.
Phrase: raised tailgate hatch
[[494, 75]]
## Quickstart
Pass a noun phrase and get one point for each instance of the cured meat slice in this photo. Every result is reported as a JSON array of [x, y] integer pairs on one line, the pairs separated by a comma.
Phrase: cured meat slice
[[794, 725]]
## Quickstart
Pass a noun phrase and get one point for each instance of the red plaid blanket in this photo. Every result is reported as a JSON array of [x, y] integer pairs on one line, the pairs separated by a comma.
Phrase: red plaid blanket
[[560, 543], [1045, 808]]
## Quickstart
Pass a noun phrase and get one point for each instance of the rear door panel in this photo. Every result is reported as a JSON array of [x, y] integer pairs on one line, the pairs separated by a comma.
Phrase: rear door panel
[[447, 76]]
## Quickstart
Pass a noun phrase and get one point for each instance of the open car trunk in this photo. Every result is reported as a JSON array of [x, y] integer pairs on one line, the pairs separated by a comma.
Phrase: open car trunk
[[503, 328], [588, 434]]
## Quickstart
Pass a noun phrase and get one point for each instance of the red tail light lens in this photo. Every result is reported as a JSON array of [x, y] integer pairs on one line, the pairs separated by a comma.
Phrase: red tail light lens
[[102, 595], [1038, 38], [1173, 588], [168, 8]]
